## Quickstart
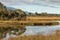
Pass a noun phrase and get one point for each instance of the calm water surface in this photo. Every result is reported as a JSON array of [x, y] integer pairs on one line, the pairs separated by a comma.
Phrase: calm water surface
[[32, 30]]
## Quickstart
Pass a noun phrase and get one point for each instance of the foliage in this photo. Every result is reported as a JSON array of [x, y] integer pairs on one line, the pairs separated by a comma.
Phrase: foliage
[[7, 14]]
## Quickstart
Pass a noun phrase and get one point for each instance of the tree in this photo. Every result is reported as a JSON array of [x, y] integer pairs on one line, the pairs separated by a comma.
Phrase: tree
[[44, 13], [0, 14], [30, 13], [16, 14], [36, 13]]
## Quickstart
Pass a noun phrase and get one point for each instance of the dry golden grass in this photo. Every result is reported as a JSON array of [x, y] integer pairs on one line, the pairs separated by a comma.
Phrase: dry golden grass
[[39, 37]]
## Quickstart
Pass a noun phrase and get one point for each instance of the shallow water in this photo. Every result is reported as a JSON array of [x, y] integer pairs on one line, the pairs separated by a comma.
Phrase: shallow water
[[32, 30]]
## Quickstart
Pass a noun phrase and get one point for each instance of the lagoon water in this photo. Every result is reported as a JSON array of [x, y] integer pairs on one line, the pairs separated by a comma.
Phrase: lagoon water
[[33, 30]]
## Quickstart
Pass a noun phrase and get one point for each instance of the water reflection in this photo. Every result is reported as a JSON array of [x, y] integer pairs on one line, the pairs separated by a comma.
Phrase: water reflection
[[32, 30]]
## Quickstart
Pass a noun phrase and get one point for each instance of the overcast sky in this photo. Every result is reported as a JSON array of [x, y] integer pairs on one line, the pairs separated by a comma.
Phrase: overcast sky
[[50, 6]]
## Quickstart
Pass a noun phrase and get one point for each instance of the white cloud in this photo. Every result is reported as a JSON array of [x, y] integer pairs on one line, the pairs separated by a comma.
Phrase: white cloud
[[12, 2], [47, 0], [29, 1], [50, 3]]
